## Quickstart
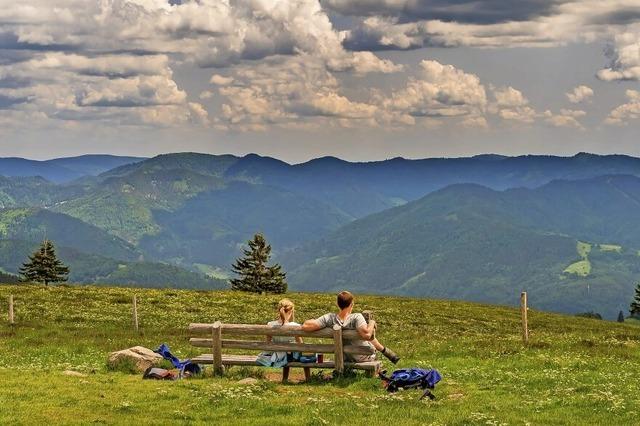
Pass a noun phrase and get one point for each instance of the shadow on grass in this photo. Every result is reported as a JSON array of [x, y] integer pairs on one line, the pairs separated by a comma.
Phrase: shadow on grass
[[274, 375]]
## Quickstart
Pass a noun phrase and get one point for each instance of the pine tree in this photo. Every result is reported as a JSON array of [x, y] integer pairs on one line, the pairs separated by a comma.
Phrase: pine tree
[[254, 274], [635, 305], [620, 316], [44, 266]]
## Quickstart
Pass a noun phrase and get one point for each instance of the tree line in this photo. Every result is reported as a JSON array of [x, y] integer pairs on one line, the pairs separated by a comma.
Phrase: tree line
[[253, 272]]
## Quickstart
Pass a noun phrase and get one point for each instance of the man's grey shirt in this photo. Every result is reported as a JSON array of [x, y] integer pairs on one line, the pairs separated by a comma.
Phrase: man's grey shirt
[[352, 322]]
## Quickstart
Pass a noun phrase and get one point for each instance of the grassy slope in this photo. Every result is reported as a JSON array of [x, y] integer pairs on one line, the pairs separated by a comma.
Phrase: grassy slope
[[582, 267], [575, 370]]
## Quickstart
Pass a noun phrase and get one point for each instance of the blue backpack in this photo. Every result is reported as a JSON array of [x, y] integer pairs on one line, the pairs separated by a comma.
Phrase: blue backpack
[[412, 378], [185, 366]]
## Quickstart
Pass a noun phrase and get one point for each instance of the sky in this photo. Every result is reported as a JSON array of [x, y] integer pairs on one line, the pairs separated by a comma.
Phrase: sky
[[298, 79]]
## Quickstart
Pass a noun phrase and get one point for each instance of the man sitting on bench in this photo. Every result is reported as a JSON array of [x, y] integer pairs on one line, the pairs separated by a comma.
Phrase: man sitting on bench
[[347, 320]]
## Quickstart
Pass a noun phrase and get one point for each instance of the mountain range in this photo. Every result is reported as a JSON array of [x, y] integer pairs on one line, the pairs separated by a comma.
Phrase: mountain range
[[62, 170], [479, 228]]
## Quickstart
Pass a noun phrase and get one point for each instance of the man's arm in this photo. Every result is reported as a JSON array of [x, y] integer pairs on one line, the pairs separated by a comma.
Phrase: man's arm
[[366, 331], [311, 325]]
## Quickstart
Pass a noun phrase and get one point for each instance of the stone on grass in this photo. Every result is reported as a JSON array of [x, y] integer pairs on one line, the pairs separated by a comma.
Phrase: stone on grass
[[138, 356], [248, 381]]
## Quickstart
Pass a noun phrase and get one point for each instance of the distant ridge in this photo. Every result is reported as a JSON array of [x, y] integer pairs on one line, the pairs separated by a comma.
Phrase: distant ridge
[[61, 170]]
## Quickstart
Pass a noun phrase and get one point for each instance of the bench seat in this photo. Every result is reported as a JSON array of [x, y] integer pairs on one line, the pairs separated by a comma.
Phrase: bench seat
[[250, 360]]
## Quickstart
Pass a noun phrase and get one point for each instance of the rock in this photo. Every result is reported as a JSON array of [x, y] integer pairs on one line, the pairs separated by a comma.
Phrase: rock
[[138, 356], [248, 381], [73, 373]]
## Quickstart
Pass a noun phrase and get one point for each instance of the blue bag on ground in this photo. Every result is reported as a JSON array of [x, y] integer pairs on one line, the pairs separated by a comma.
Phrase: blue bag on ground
[[185, 366], [412, 378]]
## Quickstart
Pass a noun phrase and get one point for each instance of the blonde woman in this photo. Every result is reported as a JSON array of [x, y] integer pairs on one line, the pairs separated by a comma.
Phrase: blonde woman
[[286, 316]]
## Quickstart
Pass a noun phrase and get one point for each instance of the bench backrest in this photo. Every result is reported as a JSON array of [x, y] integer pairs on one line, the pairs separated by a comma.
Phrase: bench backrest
[[341, 340]]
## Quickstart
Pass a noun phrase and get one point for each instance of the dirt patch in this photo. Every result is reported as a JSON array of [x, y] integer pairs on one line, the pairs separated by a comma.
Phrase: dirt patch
[[294, 376]]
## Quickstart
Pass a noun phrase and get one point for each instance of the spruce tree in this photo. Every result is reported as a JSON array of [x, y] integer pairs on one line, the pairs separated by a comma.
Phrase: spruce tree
[[620, 316], [254, 273], [44, 266], [634, 310]]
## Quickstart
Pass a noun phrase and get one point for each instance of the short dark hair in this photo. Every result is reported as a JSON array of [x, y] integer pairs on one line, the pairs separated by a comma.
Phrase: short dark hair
[[345, 299]]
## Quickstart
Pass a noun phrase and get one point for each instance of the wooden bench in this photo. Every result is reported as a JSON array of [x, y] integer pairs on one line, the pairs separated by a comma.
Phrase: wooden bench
[[217, 341]]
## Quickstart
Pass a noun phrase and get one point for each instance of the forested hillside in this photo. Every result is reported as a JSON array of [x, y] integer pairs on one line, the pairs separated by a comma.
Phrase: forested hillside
[[89, 268], [478, 228], [474, 243]]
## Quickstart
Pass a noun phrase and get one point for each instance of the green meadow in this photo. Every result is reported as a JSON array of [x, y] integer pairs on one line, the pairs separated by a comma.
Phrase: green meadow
[[572, 371], [582, 267]]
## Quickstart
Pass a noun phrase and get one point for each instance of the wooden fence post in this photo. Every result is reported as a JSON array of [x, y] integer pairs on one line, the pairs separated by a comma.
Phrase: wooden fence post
[[216, 349], [135, 313], [11, 319], [523, 312], [338, 354]]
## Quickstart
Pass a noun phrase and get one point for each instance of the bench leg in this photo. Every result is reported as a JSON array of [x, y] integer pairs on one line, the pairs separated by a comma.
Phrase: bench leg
[[307, 374], [285, 374]]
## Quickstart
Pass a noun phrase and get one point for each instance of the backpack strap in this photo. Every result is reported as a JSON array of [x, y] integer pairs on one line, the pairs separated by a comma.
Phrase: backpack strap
[[427, 393]]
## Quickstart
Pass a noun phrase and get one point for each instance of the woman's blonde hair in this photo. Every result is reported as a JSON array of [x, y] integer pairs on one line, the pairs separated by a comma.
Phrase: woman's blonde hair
[[284, 307]]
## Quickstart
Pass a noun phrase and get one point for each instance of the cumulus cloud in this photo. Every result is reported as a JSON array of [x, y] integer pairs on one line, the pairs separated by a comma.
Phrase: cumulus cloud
[[630, 110], [580, 94], [206, 94], [122, 89], [281, 62], [624, 56], [438, 91], [410, 24], [509, 97], [511, 104], [287, 92], [112, 60], [566, 118], [219, 80], [386, 33], [212, 33], [300, 92]]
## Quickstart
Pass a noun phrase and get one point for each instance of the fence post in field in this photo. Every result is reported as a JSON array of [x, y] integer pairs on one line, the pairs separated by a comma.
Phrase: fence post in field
[[11, 319], [135, 313], [338, 355], [523, 312]]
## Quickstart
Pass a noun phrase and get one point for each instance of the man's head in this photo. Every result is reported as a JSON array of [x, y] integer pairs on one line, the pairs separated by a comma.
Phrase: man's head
[[345, 300]]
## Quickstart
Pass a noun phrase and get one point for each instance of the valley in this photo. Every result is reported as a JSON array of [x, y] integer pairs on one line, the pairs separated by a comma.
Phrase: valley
[[480, 228]]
